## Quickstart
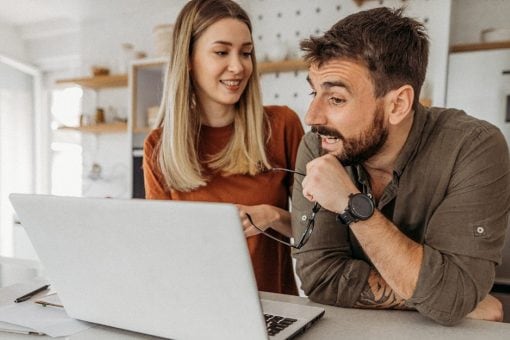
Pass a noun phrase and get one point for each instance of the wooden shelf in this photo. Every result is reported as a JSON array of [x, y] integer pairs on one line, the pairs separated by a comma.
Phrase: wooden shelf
[[115, 127], [479, 46], [98, 82], [282, 66], [121, 80], [144, 130], [360, 2]]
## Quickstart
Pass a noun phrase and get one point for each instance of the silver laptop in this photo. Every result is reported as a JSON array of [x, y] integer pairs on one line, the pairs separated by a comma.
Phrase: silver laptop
[[167, 268]]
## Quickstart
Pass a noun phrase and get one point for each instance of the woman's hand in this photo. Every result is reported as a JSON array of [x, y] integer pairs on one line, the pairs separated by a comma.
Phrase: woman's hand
[[264, 216]]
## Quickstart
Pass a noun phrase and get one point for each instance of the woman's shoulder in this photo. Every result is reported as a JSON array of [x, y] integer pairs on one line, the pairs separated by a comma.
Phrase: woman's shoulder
[[153, 137], [281, 115]]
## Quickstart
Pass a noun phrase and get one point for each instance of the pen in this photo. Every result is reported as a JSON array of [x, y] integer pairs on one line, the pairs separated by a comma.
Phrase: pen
[[32, 293]]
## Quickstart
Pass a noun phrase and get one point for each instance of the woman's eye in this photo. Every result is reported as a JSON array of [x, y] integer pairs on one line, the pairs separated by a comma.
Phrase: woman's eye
[[247, 54], [221, 53]]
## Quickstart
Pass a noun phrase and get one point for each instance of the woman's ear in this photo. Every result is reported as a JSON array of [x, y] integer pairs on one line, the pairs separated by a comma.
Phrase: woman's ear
[[400, 103]]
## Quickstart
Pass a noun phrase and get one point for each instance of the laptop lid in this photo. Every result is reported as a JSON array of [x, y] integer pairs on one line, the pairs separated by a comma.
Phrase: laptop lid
[[167, 268]]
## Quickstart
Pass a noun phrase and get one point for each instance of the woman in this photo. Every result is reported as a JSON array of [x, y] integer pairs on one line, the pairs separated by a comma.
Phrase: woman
[[215, 140]]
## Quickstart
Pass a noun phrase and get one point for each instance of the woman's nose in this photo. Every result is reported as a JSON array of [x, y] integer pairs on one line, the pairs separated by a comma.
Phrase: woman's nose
[[235, 64]]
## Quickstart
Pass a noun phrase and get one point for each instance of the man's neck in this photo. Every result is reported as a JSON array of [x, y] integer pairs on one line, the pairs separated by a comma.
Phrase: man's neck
[[380, 167]]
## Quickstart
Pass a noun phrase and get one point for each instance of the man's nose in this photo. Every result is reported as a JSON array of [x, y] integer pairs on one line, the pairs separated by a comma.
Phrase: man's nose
[[315, 114]]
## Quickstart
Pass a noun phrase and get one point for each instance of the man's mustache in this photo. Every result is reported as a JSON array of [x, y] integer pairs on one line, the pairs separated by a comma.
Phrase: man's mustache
[[325, 131]]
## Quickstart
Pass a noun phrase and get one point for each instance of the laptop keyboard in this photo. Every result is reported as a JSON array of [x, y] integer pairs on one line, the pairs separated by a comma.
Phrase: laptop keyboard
[[275, 324]]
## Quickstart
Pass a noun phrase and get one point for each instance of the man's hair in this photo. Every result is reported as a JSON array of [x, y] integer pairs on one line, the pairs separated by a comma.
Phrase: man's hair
[[179, 113], [393, 47]]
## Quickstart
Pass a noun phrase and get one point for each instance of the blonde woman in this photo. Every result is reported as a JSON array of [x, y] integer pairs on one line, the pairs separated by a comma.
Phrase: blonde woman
[[215, 140]]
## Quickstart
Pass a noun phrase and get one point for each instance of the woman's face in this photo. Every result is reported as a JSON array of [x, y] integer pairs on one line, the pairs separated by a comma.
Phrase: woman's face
[[221, 64]]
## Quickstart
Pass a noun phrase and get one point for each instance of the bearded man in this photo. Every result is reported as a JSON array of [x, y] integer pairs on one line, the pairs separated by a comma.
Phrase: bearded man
[[415, 200]]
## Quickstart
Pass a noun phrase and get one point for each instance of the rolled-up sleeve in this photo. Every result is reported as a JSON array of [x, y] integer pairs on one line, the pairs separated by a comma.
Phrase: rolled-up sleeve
[[328, 273], [465, 234]]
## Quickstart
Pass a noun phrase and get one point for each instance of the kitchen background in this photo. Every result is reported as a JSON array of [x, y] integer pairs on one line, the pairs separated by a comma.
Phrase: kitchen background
[[48, 46]]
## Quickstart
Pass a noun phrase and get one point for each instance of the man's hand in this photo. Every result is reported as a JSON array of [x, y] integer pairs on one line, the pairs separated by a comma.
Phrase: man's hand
[[489, 309], [328, 183]]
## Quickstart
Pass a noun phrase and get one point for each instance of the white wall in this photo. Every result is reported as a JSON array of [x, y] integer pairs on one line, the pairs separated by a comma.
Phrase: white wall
[[12, 45], [470, 17]]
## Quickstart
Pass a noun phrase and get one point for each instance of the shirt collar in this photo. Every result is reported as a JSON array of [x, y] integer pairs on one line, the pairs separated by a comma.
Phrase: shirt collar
[[411, 145]]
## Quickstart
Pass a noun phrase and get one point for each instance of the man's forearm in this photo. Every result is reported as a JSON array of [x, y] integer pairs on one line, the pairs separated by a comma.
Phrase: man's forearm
[[379, 295], [396, 257]]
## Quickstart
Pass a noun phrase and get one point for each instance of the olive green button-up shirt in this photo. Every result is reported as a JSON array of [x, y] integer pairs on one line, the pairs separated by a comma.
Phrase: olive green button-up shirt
[[450, 192]]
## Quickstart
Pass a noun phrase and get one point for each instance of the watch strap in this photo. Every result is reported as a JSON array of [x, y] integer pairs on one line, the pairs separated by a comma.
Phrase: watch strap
[[346, 218]]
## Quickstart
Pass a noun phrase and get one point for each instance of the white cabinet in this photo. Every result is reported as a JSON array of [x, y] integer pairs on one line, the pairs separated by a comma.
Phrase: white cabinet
[[478, 85], [146, 89]]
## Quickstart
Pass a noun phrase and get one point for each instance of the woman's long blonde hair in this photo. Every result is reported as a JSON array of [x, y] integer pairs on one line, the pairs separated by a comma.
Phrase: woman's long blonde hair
[[179, 116]]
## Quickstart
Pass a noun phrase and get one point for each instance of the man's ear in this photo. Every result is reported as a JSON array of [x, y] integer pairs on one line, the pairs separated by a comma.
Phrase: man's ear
[[399, 103]]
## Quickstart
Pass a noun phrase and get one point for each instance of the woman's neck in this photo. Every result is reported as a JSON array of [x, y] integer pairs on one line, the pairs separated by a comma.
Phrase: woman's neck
[[218, 117]]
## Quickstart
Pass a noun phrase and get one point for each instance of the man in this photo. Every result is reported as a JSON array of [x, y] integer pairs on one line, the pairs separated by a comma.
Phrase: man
[[414, 200]]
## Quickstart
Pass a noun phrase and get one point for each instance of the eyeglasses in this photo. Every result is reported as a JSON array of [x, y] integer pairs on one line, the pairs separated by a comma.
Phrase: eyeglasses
[[309, 226]]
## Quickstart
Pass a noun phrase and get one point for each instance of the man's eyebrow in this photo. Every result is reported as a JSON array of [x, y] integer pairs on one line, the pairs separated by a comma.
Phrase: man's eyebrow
[[329, 84]]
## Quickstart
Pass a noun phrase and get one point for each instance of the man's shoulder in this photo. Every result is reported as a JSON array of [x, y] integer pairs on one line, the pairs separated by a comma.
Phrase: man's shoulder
[[457, 121], [310, 144]]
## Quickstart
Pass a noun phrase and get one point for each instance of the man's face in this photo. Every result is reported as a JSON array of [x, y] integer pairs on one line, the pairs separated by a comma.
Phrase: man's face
[[349, 120]]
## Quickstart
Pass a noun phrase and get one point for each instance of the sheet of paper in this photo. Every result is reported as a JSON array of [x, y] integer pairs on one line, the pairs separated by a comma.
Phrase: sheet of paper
[[9, 327], [49, 320], [29, 316]]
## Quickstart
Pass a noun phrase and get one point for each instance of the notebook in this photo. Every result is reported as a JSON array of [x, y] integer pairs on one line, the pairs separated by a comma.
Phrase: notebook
[[173, 269]]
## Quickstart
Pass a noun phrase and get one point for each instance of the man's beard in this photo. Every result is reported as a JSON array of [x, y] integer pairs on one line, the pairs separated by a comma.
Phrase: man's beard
[[360, 149]]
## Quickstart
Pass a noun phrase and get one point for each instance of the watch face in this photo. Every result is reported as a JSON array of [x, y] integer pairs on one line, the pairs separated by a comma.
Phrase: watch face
[[361, 206]]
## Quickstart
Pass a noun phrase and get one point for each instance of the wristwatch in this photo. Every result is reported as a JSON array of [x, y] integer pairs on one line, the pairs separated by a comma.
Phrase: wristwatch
[[360, 208]]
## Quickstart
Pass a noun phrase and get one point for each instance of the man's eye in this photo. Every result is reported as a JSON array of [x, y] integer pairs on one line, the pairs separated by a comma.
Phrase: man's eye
[[336, 101], [313, 93]]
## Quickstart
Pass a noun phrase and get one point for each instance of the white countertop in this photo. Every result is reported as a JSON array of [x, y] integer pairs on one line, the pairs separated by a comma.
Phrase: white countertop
[[337, 323]]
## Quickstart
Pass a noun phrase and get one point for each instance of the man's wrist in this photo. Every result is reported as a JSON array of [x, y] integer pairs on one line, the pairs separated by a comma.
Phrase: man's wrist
[[360, 207]]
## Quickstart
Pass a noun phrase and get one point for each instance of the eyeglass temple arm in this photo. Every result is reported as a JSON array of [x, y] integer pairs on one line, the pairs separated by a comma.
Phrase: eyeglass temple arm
[[267, 234]]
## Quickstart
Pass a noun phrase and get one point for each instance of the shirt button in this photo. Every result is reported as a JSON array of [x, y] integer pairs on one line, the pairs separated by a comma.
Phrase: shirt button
[[480, 230], [304, 218]]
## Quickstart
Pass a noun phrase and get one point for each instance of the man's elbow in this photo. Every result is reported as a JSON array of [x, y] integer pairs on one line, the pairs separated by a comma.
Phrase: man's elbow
[[489, 309]]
